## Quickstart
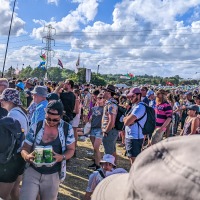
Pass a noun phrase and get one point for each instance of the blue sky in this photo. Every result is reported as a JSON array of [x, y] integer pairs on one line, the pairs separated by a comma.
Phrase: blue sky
[[155, 37]]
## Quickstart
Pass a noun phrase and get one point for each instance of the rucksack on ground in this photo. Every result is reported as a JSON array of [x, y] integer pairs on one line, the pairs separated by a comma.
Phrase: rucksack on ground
[[11, 139], [150, 123]]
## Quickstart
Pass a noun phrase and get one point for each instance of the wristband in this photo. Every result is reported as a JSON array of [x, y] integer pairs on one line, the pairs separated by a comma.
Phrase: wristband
[[64, 157]]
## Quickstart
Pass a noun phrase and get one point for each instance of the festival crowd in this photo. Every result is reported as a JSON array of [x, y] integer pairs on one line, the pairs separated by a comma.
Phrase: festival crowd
[[157, 127]]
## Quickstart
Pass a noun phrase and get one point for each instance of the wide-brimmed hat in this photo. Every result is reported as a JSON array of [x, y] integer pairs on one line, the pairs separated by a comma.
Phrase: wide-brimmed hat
[[107, 158], [40, 91], [20, 85], [110, 88], [134, 91], [11, 95], [159, 172]]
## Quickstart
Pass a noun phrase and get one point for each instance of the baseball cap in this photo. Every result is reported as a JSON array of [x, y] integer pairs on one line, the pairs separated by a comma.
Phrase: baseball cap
[[159, 172], [52, 96], [40, 91], [194, 108], [134, 91]]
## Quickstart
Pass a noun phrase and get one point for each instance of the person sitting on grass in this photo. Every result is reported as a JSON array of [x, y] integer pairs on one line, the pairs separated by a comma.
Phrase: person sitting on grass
[[107, 168]]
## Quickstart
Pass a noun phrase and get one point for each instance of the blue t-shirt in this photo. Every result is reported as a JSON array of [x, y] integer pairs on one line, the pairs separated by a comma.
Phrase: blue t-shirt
[[135, 131]]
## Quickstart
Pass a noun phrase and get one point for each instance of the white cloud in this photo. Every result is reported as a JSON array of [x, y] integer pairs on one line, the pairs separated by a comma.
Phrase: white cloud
[[6, 12], [53, 2]]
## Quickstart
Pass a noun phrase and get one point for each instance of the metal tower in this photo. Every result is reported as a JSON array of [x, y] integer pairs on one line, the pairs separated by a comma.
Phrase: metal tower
[[49, 52]]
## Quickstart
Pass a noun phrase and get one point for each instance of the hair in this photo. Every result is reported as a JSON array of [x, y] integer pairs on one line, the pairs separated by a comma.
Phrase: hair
[[145, 88], [71, 83], [161, 91], [55, 105], [122, 99], [77, 91], [112, 94], [5, 81], [96, 92], [170, 97]]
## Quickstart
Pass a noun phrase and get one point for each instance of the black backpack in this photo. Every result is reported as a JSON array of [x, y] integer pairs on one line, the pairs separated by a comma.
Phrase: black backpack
[[119, 124], [150, 123], [11, 139]]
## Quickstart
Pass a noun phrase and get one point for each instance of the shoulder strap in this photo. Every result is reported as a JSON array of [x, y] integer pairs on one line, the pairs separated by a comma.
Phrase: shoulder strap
[[39, 126], [66, 128], [143, 114], [24, 116], [101, 173]]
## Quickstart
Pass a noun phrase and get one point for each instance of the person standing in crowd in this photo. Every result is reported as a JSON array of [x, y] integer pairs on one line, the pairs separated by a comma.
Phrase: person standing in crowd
[[3, 85], [107, 168], [189, 101], [29, 87], [45, 180], [96, 132], [10, 100], [144, 95], [110, 134], [39, 97], [86, 104], [22, 94], [133, 131], [191, 124], [151, 98], [68, 99], [163, 116]]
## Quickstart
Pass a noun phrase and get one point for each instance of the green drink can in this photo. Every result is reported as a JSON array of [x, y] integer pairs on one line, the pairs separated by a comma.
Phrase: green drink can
[[39, 154], [48, 154]]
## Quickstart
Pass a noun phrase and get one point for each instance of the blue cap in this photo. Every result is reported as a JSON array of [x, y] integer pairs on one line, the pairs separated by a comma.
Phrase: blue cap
[[149, 93], [20, 85]]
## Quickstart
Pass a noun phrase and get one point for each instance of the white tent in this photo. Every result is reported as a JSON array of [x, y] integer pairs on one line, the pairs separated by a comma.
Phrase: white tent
[[121, 85]]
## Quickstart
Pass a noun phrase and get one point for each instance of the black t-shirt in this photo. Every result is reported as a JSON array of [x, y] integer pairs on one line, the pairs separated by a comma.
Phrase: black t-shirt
[[3, 112], [29, 98], [68, 100]]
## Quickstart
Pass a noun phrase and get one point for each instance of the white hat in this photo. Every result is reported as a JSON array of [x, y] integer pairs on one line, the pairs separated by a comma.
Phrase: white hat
[[109, 159]]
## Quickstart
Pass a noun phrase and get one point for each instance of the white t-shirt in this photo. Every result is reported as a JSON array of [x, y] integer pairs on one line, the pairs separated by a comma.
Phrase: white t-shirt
[[17, 114]]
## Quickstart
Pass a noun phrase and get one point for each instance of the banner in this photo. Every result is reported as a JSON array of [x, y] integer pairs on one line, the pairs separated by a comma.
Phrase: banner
[[88, 75]]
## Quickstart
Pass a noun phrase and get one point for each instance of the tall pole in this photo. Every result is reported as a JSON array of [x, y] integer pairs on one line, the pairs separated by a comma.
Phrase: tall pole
[[4, 62], [98, 69]]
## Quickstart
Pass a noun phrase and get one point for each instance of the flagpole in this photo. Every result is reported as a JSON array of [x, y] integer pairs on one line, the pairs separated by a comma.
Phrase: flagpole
[[4, 62]]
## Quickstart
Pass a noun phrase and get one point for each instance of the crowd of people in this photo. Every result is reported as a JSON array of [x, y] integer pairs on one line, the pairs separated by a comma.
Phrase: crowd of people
[[45, 114]]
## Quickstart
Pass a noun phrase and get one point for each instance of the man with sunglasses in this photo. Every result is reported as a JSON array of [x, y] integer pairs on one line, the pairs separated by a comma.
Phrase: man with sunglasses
[[58, 134], [133, 131]]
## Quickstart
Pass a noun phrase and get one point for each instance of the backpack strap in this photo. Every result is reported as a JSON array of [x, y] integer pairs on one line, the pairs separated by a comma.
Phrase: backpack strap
[[101, 173], [39, 126], [24, 116], [66, 128]]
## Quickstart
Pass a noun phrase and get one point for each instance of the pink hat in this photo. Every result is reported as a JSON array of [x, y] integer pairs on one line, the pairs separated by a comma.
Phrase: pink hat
[[134, 91]]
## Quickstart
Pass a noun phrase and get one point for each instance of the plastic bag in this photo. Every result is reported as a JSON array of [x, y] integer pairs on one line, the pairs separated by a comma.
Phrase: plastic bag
[[87, 128]]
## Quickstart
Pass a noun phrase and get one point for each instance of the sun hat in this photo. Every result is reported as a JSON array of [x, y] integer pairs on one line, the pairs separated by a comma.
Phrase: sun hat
[[110, 88], [40, 91], [20, 85], [11, 95], [149, 93], [159, 172], [134, 91], [107, 158]]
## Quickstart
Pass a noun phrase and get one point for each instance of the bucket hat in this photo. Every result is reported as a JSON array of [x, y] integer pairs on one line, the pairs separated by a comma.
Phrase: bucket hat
[[159, 172], [11, 95], [20, 85], [110, 88], [40, 91], [107, 158]]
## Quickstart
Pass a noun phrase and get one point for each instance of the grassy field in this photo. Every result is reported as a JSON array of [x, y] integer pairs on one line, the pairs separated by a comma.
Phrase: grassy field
[[78, 173]]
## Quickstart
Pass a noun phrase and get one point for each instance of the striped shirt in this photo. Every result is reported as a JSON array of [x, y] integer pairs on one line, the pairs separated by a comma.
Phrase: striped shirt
[[163, 111]]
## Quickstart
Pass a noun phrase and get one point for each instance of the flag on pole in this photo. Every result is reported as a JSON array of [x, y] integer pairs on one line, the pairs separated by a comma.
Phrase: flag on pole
[[17, 71], [41, 64], [60, 63], [43, 57]]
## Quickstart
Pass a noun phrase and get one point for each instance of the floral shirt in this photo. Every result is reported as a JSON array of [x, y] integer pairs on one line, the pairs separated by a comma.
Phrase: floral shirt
[[110, 108], [33, 140]]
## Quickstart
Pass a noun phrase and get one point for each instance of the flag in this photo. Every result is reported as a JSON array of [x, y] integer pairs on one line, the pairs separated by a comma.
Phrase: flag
[[17, 71], [41, 64], [60, 63], [43, 57]]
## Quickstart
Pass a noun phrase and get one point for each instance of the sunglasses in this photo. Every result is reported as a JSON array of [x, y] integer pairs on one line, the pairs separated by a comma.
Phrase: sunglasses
[[52, 120], [100, 98]]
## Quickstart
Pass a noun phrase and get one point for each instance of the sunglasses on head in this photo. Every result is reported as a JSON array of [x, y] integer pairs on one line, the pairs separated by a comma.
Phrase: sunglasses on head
[[52, 120]]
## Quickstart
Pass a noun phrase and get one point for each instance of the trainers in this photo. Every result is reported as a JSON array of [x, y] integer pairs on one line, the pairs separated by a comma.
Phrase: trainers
[[93, 166]]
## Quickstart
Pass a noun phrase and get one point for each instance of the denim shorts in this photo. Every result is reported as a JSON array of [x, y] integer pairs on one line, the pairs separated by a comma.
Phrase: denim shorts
[[133, 147], [96, 132]]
